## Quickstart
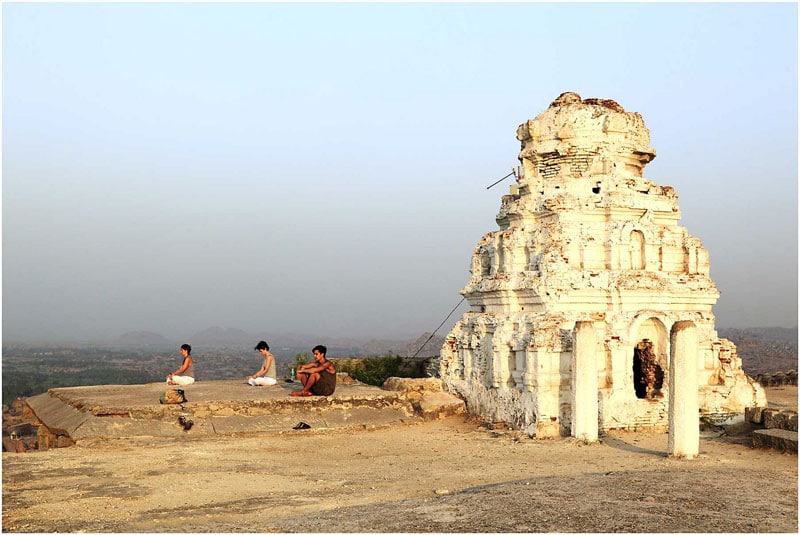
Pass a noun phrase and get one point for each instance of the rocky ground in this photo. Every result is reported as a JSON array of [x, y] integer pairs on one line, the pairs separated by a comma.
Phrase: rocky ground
[[448, 475]]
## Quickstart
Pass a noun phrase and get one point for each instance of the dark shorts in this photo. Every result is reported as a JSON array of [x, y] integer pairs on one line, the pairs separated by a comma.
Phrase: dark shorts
[[325, 385]]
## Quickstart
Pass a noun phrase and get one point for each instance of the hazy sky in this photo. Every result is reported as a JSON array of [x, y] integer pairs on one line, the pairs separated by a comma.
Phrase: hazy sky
[[322, 168]]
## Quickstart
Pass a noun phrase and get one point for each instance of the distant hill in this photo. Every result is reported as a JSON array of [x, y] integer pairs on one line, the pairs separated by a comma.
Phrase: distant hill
[[222, 337], [238, 340], [764, 349], [430, 348]]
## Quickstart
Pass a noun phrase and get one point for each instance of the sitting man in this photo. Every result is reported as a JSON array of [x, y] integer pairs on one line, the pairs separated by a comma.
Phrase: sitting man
[[318, 377]]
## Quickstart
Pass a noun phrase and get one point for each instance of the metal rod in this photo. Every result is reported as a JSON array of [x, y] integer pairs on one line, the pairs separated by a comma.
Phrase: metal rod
[[505, 177]]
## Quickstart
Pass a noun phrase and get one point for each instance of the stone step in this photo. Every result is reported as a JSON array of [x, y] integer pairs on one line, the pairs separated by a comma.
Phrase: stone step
[[777, 439]]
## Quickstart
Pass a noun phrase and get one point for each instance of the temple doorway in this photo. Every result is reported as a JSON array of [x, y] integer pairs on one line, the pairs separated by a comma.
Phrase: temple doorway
[[650, 360]]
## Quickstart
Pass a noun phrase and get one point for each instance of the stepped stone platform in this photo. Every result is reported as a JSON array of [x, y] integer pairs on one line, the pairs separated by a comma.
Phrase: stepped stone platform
[[69, 415], [779, 428]]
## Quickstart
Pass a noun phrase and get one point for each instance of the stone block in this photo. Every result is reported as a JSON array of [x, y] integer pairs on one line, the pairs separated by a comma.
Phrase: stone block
[[779, 419], [435, 405], [402, 384], [777, 439], [754, 414], [61, 418], [768, 417], [547, 429]]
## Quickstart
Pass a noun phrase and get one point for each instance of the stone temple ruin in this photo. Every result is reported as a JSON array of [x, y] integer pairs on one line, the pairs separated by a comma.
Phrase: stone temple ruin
[[590, 307]]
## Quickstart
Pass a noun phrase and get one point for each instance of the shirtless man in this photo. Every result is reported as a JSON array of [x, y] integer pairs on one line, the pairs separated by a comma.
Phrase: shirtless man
[[318, 377]]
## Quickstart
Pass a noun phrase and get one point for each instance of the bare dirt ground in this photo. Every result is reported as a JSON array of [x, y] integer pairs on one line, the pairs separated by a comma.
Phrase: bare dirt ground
[[446, 476]]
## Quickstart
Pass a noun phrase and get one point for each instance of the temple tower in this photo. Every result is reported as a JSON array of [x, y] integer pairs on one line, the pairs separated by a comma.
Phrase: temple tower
[[577, 300]]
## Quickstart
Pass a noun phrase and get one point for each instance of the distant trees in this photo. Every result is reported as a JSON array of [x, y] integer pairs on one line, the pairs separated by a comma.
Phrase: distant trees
[[26, 384], [300, 359], [375, 370], [777, 378], [30, 371]]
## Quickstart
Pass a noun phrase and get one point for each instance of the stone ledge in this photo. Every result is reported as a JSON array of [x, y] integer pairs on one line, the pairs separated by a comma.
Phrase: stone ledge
[[67, 415], [435, 405], [777, 439], [427, 397]]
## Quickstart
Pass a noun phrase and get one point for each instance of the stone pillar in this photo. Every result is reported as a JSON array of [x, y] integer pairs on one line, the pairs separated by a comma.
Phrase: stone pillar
[[547, 385], [684, 405], [499, 367], [692, 260], [584, 383], [487, 350], [519, 369], [529, 377], [620, 369], [466, 363]]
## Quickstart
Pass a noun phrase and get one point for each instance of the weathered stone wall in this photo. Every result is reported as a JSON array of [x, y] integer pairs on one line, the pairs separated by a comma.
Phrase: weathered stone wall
[[583, 237]]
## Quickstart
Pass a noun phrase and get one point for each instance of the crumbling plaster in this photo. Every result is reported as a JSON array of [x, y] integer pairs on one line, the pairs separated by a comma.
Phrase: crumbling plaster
[[583, 237]]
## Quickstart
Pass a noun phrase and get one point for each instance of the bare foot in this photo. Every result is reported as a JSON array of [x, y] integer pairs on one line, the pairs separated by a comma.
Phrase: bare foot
[[301, 393]]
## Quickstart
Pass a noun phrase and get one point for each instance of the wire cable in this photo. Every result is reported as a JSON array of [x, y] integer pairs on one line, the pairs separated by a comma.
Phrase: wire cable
[[439, 327]]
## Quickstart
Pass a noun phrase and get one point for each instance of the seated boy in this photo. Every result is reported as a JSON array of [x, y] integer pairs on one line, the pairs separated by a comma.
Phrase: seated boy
[[318, 377]]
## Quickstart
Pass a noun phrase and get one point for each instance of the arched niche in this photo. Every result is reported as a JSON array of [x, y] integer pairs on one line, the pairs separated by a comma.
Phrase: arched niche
[[485, 262], [632, 245], [636, 249]]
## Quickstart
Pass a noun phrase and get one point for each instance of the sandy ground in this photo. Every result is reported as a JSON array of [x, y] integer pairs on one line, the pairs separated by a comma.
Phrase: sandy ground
[[448, 475]]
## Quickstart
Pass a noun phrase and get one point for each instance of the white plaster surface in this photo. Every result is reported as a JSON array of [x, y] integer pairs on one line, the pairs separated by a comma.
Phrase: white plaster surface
[[584, 237]]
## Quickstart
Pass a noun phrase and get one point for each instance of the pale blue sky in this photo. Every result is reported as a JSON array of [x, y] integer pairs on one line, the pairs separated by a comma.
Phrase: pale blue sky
[[322, 168]]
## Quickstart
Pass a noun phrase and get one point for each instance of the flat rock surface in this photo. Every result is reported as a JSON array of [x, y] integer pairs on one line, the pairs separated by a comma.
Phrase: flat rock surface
[[134, 396], [439, 476], [217, 407]]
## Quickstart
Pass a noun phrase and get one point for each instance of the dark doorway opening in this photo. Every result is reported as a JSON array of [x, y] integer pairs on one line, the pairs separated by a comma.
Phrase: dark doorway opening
[[648, 376]]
